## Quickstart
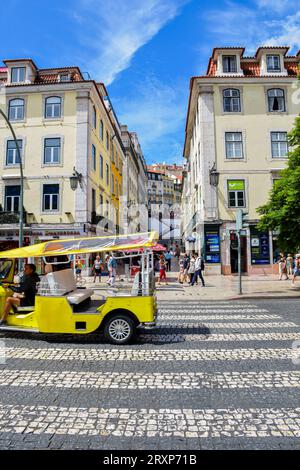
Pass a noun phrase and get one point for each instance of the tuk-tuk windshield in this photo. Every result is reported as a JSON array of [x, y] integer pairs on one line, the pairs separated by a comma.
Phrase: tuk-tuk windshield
[[5, 267]]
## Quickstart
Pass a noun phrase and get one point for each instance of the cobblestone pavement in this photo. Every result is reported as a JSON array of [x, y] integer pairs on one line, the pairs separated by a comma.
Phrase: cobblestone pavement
[[212, 375]]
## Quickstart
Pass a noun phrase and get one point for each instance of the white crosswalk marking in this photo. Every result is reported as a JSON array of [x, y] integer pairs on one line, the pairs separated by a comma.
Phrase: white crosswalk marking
[[217, 317], [249, 326], [133, 422], [134, 380], [91, 354], [216, 337]]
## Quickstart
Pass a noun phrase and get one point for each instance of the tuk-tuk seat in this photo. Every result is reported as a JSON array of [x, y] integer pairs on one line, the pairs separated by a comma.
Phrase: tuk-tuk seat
[[64, 283]]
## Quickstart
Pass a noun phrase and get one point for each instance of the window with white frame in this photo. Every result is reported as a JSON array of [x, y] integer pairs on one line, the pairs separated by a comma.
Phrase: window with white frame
[[229, 64], [236, 193], [234, 145], [12, 153], [18, 74], [52, 151], [273, 63], [64, 77], [279, 143], [231, 100], [94, 157], [16, 109], [12, 198], [276, 101], [50, 197], [53, 107]]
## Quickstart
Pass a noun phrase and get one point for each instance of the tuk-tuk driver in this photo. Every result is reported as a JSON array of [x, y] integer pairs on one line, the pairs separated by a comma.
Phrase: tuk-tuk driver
[[24, 295]]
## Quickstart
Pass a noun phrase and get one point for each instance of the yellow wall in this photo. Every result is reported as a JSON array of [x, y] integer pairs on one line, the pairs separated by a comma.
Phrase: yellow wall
[[256, 124]]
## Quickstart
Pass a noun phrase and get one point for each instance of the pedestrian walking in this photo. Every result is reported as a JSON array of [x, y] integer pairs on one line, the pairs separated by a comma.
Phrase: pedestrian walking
[[78, 270], [289, 264], [199, 267], [296, 269], [186, 265], [162, 269], [112, 270], [97, 268], [168, 258], [181, 272], [282, 268], [191, 269]]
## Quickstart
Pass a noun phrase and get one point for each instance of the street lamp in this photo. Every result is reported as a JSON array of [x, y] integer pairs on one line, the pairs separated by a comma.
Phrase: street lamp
[[214, 176], [75, 179], [21, 217]]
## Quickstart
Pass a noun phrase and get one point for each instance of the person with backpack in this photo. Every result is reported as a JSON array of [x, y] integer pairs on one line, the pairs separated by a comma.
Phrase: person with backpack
[[199, 268]]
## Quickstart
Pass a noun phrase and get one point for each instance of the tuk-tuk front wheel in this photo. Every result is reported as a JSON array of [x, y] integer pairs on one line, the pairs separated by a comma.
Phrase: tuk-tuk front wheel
[[119, 329]]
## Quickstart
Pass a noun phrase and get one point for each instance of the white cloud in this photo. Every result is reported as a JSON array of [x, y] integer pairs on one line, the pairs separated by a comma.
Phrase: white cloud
[[277, 5], [117, 29], [243, 26], [286, 32]]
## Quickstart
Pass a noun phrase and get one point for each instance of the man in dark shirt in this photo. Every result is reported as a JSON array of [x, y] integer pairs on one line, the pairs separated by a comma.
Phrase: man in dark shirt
[[24, 294]]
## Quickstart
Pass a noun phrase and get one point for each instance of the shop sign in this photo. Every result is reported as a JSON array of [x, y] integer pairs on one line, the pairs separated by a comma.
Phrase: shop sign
[[260, 248], [236, 185], [212, 246]]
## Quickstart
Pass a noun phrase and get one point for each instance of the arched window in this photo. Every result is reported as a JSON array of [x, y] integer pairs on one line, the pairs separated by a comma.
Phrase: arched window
[[16, 110], [53, 107], [276, 101], [231, 100]]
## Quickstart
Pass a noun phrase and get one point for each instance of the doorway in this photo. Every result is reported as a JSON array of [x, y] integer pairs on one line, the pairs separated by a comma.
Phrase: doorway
[[234, 253]]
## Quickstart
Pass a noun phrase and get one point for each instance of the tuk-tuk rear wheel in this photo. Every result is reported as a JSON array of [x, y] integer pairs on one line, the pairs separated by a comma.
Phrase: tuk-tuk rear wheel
[[119, 329]]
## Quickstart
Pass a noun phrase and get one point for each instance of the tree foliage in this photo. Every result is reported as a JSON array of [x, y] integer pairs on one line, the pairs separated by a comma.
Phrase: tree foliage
[[282, 211]]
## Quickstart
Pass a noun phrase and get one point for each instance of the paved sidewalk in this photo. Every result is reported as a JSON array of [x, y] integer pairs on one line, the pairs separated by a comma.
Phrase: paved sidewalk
[[226, 287], [217, 288]]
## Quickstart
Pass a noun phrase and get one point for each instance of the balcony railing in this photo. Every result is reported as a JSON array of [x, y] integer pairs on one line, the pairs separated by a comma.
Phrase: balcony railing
[[11, 217]]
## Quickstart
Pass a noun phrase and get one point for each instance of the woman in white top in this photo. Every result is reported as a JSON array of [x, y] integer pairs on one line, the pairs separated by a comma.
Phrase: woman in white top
[[97, 268]]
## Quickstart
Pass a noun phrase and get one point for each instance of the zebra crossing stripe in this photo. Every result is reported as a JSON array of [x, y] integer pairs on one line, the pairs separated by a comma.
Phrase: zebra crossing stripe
[[216, 337], [134, 422], [166, 324], [123, 354], [134, 380], [218, 317], [211, 310]]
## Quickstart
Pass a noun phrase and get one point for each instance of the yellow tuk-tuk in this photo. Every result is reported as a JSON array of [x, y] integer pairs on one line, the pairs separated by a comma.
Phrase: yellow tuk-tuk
[[63, 307]]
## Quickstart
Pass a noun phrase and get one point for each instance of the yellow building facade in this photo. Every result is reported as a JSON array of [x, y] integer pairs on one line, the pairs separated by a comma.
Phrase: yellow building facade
[[63, 129], [239, 117]]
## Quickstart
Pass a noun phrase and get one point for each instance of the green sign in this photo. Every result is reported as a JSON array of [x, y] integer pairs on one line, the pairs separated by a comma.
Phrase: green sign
[[236, 185]]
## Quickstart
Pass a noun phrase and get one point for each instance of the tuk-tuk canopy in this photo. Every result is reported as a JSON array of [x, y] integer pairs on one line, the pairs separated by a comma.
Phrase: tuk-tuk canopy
[[73, 246]]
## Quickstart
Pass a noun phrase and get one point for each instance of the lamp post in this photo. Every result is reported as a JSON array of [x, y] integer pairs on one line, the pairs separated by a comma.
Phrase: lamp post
[[21, 212]]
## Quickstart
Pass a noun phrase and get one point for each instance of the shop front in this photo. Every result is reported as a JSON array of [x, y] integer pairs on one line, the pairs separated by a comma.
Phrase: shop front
[[212, 249]]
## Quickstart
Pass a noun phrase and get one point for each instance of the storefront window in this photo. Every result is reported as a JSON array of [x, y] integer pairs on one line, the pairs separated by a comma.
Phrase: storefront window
[[260, 247], [212, 245]]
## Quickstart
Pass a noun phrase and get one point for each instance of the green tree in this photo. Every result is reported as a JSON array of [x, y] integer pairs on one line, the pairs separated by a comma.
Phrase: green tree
[[282, 211]]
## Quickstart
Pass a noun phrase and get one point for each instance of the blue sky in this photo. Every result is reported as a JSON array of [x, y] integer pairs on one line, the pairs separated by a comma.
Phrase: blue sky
[[145, 51]]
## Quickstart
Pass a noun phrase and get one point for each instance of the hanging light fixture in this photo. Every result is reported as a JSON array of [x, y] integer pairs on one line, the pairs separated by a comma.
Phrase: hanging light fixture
[[214, 176], [75, 179]]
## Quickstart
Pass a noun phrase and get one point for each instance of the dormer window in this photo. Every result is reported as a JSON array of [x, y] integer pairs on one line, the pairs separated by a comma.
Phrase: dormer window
[[64, 77], [229, 64], [18, 74], [273, 63]]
